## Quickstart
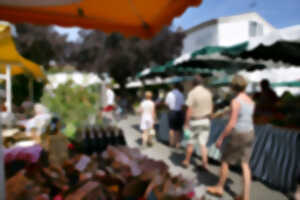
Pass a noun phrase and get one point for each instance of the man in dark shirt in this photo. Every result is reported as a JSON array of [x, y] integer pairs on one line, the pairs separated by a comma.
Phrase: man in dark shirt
[[267, 99]]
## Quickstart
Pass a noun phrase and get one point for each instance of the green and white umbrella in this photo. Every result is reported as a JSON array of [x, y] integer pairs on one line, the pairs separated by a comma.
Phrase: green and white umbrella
[[280, 45], [276, 49], [205, 61], [159, 70], [287, 84]]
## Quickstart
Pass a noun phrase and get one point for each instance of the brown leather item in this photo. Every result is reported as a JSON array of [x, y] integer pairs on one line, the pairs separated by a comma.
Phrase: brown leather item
[[83, 191], [16, 185]]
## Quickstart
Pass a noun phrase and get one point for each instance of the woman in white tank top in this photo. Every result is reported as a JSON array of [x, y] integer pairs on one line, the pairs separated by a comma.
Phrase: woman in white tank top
[[148, 116]]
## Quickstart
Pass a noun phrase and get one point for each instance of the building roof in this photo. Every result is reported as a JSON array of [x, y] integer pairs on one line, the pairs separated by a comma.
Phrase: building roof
[[250, 15]]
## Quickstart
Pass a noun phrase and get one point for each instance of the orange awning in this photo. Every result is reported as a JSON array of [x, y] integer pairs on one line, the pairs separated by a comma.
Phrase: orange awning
[[142, 18]]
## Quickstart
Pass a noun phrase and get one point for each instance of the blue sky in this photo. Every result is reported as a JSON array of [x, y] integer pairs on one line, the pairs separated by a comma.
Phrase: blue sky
[[280, 13]]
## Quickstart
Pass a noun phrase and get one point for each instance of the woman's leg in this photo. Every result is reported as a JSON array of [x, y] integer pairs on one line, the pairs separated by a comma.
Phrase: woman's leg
[[246, 180], [150, 135], [219, 188], [145, 137]]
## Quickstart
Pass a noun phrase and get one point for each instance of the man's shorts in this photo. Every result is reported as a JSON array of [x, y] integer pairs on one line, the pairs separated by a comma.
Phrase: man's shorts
[[176, 120], [200, 131]]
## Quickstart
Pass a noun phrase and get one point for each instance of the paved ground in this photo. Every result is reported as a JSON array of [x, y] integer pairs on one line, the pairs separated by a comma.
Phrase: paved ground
[[173, 158]]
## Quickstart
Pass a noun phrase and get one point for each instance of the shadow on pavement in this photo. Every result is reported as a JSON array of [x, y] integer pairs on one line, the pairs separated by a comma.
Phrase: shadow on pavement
[[176, 158], [139, 141], [209, 179], [136, 127], [206, 178]]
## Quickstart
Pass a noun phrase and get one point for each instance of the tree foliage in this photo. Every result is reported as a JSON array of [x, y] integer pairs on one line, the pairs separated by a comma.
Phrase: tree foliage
[[98, 52], [41, 43], [124, 57]]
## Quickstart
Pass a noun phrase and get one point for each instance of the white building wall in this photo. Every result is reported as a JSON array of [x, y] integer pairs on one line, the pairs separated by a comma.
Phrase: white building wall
[[226, 31], [232, 33], [267, 28], [200, 38]]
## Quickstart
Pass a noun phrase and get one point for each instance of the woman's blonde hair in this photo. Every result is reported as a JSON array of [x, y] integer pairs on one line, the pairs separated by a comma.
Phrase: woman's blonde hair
[[148, 94], [239, 83]]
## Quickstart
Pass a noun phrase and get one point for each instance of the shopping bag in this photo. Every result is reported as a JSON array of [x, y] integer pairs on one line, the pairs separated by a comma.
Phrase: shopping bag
[[152, 132], [187, 134]]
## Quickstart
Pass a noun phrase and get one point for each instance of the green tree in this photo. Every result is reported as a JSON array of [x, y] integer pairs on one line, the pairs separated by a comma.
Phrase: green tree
[[41, 43], [98, 52], [123, 57]]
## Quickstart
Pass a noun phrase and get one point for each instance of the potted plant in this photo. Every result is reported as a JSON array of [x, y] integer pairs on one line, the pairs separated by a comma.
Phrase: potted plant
[[77, 106]]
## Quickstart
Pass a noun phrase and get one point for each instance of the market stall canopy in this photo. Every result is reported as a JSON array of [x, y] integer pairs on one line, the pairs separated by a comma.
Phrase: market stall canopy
[[206, 62], [131, 18], [158, 81], [211, 57], [10, 55], [168, 70], [155, 71], [280, 45], [286, 84], [223, 82]]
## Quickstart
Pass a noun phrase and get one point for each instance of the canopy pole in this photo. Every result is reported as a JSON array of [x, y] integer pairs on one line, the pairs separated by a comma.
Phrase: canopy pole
[[2, 174], [8, 89], [103, 95], [30, 87]]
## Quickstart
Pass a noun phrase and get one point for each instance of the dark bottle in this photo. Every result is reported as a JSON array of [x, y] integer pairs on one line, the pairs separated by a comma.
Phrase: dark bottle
[[113, 136], [104, 138], [93, 139], [99, 141], [83, 141], [88, 142], [121, 138], [108, 135]]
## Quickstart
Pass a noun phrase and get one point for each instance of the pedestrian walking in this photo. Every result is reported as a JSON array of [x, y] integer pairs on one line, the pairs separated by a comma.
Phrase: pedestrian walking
[[148, 116], [175, 102], [240, 129], [109, 115], [199, 109]]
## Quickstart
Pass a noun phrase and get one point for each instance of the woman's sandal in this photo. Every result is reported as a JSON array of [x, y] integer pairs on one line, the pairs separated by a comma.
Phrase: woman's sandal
[[214, 191], [185, 165], [238, 198]]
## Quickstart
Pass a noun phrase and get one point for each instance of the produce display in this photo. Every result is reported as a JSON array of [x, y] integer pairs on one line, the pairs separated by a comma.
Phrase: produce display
[[95, 165], [286, 113]]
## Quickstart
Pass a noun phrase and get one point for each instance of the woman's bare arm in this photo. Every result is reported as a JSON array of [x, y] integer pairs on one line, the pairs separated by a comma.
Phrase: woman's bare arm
[[235, 107]]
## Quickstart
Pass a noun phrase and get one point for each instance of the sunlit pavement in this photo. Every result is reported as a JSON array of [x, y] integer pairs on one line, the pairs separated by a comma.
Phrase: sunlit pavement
[[174, 157]]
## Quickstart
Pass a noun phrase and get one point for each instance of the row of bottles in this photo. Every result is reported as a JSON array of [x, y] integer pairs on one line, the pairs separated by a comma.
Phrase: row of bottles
[[96, 139]]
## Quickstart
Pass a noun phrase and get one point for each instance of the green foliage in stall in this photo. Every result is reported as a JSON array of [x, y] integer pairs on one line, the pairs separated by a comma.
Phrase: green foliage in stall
[[77, 106]]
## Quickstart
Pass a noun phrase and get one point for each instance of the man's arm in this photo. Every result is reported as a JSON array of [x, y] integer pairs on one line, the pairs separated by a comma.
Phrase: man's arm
[[188, 116], [168, 100]]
